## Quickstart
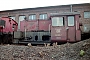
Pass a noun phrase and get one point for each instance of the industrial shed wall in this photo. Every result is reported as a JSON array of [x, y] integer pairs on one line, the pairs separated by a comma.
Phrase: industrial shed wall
[[82, 8]]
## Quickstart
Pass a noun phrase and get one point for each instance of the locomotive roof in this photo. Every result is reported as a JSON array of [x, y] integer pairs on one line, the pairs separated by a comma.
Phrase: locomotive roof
[[64, 13]]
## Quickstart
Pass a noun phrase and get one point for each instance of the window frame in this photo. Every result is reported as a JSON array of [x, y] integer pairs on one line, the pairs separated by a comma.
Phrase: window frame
[[87, 15], [2, 24], [21, 20], [12, 18], [43, 14], [32, 16], [73, 21], [63, 22]]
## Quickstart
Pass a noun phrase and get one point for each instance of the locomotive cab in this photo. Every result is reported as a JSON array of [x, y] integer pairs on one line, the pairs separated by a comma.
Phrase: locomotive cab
[[65, 27], [6, 30]]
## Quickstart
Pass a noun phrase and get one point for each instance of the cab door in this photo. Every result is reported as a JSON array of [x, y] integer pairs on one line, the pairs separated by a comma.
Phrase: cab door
[[71, 30], [58, 29]]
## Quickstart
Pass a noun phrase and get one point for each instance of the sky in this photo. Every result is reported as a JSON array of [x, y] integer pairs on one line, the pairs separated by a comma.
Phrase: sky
[[20, 4]]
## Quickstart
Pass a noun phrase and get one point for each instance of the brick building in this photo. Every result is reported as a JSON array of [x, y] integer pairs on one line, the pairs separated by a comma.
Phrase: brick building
[[44, 13]]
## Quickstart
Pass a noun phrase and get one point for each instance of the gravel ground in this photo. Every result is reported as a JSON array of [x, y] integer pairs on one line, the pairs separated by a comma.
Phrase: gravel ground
[[66, 51]]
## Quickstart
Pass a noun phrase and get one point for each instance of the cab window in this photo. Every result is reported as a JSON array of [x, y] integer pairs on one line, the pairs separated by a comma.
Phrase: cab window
[[2, 23], [57, 21], [70, 20]]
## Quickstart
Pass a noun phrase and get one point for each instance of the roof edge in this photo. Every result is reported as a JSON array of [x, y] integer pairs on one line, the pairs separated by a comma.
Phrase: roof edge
[[42, 7]]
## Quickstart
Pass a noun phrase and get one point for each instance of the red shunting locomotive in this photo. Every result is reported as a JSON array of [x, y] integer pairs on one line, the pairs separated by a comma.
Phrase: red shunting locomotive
[[60, 27]]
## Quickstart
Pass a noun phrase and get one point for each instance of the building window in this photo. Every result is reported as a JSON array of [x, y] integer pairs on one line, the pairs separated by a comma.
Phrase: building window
[[12, 17], [32, 17], [21, 18], [70, 20], [57, 21], [43, 16], [87, 14]]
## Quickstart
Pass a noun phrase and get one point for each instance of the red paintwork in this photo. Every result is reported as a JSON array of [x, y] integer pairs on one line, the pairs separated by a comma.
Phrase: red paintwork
[[78, 31], [72, 34], [58, 33], [44, 24], [29, 25], [35, 25], [9, 25]]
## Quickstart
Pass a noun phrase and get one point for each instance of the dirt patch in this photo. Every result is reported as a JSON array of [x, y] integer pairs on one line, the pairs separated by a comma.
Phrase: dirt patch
[[66, 51]]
